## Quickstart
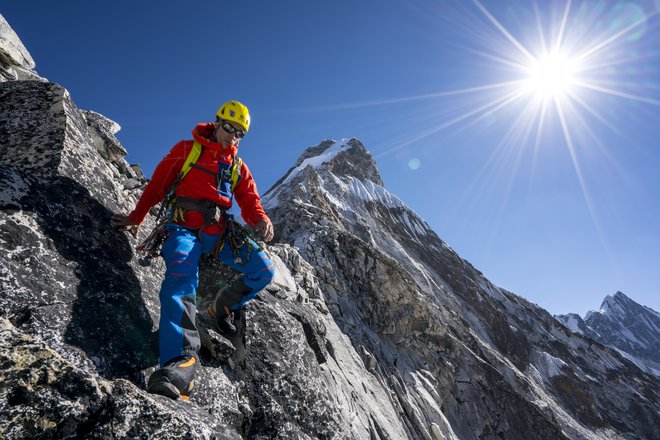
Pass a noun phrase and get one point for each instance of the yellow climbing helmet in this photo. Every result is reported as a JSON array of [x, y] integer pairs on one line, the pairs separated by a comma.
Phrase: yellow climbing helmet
[[234, 111]]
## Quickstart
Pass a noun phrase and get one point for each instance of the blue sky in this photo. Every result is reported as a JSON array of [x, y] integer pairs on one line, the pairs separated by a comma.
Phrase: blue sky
[[539, 166]]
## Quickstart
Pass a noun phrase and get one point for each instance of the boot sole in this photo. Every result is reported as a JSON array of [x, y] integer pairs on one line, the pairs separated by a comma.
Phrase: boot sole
[[165, 388]]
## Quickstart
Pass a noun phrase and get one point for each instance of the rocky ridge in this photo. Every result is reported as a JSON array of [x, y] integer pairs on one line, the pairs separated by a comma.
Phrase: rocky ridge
[[372, 329], [454, 324], [626, 326]]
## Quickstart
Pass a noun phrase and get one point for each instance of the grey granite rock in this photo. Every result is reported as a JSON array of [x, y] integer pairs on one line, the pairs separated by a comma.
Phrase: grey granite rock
[[44, 396], [16, 63]]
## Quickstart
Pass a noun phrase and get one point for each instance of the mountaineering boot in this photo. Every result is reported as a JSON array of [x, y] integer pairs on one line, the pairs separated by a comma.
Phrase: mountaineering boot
[[224, 322], [175, 379], [227, 299], [226, 325]]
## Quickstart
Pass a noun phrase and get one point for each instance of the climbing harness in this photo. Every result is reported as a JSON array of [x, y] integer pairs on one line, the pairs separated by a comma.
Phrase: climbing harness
[[237, 236], [211, 212], [173, 209]]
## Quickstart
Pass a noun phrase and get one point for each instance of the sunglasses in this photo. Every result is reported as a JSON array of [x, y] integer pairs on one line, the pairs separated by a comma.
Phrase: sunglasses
[[226, 126]]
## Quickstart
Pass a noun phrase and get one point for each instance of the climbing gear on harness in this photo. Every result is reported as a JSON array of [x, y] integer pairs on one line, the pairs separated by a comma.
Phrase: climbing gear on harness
[[150, 247], [176, 379], [237, 236], [227, 178], [236, 112]]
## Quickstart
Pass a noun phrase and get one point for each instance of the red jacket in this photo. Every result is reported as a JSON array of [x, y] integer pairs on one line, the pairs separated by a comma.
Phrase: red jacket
[[200, 185]]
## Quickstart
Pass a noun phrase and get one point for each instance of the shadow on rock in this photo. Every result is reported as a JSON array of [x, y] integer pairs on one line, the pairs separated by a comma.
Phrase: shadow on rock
[[109, 320]]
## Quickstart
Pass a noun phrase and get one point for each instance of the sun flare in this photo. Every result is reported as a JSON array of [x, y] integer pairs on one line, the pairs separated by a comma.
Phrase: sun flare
[[551, 76], [554, 70]]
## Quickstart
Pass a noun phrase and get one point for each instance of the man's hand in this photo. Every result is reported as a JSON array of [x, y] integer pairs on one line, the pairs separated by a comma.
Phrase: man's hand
[[123, 223], [265, 228]]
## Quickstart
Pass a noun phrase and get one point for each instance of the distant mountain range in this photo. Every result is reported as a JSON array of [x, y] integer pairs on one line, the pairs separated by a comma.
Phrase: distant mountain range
[[621, 323]]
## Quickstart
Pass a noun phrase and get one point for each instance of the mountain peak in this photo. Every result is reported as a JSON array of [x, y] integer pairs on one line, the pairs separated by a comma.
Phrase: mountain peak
[[620, 298], [614, 304], [625, 325], [346, 157], [620, 305]]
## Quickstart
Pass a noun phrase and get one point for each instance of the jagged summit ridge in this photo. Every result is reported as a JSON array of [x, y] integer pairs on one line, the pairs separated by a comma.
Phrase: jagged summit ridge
[[625, 325], [339, 184], [348, 176], [619, 305], [345, 157]]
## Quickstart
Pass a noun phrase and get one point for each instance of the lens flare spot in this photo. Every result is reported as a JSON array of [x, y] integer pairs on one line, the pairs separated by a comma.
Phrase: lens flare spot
[[629, 16], [414, 164]]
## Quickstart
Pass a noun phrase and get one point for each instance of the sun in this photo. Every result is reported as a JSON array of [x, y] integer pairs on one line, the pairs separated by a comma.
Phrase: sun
[[551, 76]]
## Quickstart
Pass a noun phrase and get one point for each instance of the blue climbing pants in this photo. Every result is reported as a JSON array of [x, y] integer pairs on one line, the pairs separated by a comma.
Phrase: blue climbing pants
[[181, 251]]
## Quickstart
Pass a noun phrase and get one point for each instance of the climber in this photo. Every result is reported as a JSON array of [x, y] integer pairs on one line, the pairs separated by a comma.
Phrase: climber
[[196, 225]]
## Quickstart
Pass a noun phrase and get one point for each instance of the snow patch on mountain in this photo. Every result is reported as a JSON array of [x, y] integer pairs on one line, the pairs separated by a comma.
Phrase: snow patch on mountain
[[574, 322], [371, 192], [551, 365], [317, 161]]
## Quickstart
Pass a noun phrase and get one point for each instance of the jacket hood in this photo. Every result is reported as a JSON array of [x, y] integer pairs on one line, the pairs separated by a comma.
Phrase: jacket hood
[[203, 134]]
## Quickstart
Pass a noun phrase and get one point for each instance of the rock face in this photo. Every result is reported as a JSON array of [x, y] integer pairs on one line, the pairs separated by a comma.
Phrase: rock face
[[44, 396], [16, 63], [373, 328], [624, 325]]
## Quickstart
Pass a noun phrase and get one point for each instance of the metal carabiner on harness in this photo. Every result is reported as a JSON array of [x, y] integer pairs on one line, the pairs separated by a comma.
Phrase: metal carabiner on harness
[[237, 236]]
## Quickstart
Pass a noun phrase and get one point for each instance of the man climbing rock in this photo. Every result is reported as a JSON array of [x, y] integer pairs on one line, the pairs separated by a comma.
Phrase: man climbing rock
[[202, 176]]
